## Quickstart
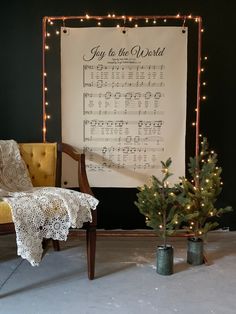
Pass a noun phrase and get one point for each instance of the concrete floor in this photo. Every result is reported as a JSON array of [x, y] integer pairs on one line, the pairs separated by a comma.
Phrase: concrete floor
[[126, 281]]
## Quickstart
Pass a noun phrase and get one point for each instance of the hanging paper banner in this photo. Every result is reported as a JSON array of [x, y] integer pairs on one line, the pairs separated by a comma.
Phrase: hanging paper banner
[[124, 102]]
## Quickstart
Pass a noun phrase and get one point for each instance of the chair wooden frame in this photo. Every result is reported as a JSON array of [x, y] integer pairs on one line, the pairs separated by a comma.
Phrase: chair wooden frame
[[84, 186]]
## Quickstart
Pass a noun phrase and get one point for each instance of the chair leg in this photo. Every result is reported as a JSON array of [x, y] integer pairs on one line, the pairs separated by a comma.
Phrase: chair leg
[[45, 243], [56, 245], [91, 250]]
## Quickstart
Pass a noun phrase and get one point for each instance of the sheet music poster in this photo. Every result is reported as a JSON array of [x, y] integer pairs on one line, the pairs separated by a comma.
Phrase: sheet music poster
[[124, 102]]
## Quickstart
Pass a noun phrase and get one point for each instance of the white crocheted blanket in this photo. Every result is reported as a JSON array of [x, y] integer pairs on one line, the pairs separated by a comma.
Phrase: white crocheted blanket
[[38, 213]]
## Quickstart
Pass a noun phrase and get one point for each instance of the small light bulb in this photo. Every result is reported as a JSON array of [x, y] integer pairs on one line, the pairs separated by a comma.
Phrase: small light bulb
[[164, 20], [48, 116], [51, 22], [117, 25], [46, 47], [57, 33], [48, 34], [99, 23], [113, 15], [44, 74], [45, 88], [87, 16], [81, 20], [136, 25], [202, 30], [200, 232], [202, 69], [130, 19], [109, 15], [154, 22], [46, 103], [160, 226], [146, 20]]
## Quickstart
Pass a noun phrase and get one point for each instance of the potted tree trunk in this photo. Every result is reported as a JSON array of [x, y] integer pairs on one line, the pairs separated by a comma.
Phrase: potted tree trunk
[[200, 191], [159, 203]]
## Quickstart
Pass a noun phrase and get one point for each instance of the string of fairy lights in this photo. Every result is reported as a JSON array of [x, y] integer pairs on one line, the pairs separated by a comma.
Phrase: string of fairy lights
[[51, 26]]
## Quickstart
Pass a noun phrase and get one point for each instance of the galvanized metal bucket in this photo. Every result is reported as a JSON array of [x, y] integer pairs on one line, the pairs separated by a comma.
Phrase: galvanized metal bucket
[[165, 260], [195, 251]]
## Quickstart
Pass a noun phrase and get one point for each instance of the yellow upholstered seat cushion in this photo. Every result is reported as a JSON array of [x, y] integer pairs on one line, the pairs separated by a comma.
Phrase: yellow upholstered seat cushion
[[5, 213], [40, 159]]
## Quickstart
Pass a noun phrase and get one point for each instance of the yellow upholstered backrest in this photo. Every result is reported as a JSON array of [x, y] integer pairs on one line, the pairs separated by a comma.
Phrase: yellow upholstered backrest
[[41, 160]]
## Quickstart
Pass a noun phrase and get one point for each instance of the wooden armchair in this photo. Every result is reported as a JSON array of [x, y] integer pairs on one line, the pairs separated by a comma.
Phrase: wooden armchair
[[44, 164]]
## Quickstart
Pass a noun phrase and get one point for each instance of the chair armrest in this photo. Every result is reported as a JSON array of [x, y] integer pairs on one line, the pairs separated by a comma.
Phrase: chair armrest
[[82, 174]]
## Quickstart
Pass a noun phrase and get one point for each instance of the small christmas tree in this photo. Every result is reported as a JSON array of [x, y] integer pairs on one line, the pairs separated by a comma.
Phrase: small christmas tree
[[159, 203], [199, 193]]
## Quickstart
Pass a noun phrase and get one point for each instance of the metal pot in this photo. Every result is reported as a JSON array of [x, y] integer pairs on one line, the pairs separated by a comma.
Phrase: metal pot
[[165, 260], [195, 251]]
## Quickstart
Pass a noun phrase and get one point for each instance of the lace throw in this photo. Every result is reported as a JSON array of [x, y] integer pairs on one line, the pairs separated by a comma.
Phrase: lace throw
[[14, 175], [38, 213]]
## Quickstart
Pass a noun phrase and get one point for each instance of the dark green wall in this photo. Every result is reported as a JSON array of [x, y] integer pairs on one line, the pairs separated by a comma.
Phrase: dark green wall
[[21, 99]]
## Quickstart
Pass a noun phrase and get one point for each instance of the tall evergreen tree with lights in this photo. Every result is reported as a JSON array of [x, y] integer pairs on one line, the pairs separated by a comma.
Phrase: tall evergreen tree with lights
[[200, 191], [159, 203]]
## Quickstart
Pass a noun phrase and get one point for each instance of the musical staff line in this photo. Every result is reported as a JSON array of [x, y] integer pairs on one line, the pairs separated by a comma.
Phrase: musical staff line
[[127, 139], [126, 149], [123, 112], [122, 123], [102, 84], [129, 95], [101, 67], [107, 165]]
